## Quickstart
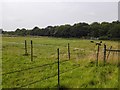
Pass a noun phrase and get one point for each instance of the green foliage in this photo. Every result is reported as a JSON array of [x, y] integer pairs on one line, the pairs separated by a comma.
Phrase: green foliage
[[79, 72], [79, 30], [104, 38]]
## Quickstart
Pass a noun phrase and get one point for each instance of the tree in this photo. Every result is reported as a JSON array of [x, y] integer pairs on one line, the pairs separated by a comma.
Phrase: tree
[[102, 30], [95, 29]]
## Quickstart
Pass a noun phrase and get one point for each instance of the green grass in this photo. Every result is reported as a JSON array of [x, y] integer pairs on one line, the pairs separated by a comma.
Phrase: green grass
[[79, 72]]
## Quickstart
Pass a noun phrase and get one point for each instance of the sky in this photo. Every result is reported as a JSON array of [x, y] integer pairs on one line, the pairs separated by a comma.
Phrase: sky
[[119, 11], [30, 13]]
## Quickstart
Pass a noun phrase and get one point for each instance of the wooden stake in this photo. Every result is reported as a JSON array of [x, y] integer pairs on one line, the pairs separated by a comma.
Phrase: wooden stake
[[31, 50], [104, 54], [58, 70], [109, 52], [26, 48], [97, 56], [69, 51]]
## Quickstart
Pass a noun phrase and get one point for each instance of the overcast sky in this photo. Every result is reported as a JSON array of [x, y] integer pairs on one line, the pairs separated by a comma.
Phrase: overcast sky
[[28, 14]]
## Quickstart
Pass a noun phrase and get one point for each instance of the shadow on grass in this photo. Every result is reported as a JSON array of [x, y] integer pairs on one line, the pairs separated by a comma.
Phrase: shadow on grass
[[49, 77], [33, 67]]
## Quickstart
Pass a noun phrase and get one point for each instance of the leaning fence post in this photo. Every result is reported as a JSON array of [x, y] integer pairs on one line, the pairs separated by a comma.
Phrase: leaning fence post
[[109, 53], [104, 54], [58, 69], [31, 50], [26, 48], [69, 51], [97, 56]]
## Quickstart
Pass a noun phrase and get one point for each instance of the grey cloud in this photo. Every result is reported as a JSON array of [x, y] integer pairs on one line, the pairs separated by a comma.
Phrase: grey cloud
[[42, 14]]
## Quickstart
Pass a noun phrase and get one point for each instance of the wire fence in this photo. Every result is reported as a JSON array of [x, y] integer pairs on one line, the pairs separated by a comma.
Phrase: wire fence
[[65, 54]]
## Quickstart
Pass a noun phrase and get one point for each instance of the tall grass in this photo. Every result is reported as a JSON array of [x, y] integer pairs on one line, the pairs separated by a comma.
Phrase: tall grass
[[78, 72]]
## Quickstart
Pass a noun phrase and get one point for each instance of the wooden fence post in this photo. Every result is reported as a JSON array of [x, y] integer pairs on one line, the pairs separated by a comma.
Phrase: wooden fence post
[[31, 50], [109, 53], [26, 48], [104, 54], [69, 51], [119, 60], [97, 56], [113, 55], [58, 70]]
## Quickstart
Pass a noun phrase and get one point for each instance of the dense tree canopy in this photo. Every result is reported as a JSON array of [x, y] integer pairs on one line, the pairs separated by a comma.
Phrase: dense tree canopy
[[104, 30]]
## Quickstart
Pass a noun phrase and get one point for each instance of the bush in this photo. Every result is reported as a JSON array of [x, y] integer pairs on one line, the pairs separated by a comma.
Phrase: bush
[[104, 38]]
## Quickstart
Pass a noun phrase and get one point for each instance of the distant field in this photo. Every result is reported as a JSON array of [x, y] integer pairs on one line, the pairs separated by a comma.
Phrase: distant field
[[79, 72]]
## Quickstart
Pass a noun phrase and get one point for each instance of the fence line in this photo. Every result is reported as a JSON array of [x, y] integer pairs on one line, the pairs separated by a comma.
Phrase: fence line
[[97, 55], [34, 67], [109, 52], [58, 53], [77, 66], [112, 50]]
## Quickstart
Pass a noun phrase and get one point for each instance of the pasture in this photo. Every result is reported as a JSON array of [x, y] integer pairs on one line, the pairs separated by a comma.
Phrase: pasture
[[18, 71]]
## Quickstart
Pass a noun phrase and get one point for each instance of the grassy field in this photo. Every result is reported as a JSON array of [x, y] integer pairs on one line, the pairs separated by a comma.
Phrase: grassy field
[[79, 72]]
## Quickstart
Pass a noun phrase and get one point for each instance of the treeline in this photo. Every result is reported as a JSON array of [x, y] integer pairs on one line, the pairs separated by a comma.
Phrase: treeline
[[104, 30]]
